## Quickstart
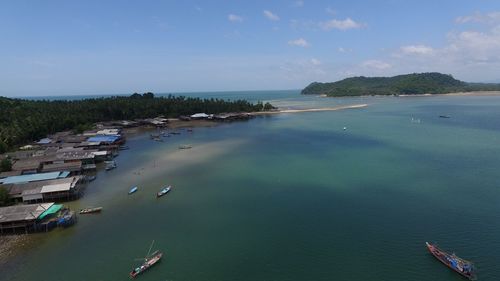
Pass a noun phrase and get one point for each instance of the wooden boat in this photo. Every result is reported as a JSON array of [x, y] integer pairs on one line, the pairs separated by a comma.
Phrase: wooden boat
[[123, 147], [461, 266], [164, 191], [133, 190], [185, 146], [90, 210], [90, 178], [444, 116], [149, 261]]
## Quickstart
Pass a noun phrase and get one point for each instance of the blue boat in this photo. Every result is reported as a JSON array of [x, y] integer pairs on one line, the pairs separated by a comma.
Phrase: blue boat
[[164, 191], [132, 190]]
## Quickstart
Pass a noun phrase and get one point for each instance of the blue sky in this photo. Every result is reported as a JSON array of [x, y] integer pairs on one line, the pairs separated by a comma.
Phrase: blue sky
[[118, 47]]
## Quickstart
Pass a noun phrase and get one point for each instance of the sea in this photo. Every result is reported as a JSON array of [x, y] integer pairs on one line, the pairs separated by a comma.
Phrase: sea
[[346, 195]]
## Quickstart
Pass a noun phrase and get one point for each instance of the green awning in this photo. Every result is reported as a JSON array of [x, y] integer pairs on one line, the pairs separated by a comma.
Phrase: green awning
[[52, 210]]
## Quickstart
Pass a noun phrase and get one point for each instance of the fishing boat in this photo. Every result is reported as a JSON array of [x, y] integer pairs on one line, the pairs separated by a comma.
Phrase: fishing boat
[[185, 146], [149, 260], [444, 116], [459, 265], [90, 178], [123, 147], [133, 190], [90, 210], [164, 191]]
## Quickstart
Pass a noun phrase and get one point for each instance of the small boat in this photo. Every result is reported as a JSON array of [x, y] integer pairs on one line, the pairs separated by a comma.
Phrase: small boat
[[123, 147], [133, 190], [90, 210], [444, 116], [164, 191], [149, 260], [185, 146], [90, 178], [175, 133], [461, 266], [110, 165]]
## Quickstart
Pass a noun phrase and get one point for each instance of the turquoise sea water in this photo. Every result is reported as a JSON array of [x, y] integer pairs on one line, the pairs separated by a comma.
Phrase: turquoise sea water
[[294, 197]]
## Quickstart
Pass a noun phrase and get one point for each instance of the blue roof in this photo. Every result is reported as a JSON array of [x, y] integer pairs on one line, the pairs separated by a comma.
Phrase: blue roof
[[34, 177], [110, 138]]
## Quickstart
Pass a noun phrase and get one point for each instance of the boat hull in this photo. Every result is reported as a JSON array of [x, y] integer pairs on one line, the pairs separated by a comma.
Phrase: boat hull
[[441, 256], [146, 265]]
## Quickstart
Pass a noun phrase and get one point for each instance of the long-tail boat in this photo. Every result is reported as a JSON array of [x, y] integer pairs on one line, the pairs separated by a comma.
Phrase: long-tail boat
[[149, 261], [91, 210], [163, 191], [459, 265]]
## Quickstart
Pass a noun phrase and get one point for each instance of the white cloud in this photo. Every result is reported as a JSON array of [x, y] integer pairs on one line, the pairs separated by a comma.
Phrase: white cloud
[[417, 50], [234, 18], [268, 14], [298, 3], [330, 11], [315, 61], [376, 64], [301, 42], [343, 50], [345, 24], [489, 18]]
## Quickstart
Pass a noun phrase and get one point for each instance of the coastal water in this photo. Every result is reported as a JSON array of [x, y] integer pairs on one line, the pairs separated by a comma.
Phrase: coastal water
[[294, 197]]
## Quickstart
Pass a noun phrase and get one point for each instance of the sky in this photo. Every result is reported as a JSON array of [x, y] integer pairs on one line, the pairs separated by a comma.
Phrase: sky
[[82, 47]]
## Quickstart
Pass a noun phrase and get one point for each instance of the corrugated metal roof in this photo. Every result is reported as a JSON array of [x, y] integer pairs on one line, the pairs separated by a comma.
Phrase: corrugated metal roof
[[34, 177], [56, 187], [23, 212]]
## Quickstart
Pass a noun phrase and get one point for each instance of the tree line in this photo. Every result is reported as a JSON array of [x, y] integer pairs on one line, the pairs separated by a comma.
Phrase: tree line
[[408, 84], [23, 121]]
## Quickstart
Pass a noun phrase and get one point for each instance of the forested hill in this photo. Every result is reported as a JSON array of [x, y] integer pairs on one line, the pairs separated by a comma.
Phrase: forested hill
[[409, 84], [22, 121]]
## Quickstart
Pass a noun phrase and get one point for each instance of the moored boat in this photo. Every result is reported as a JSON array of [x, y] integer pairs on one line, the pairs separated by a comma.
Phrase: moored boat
[[163, 191], [110, 165], [185, 146], [459, 265], [149, 261], [133, 190], [91, 210]]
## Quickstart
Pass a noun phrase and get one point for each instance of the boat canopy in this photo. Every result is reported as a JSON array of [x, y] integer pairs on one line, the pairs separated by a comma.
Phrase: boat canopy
[[52, 210]]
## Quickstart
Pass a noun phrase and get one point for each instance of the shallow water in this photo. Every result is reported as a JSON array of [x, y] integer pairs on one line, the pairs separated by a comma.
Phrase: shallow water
[[294, 197]]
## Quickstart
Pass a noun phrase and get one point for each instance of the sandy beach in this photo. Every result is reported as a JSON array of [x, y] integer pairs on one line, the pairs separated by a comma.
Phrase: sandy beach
[[354, 106]]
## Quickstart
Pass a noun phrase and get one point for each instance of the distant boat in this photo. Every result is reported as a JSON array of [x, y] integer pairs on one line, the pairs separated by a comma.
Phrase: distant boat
[[444, 116], [90, 178], [175, 133], [90, 210], [461, 266], [345, 128], [110, 165], [164, 191], [133, 190], [123, 147], [149, 260], [185, 146]]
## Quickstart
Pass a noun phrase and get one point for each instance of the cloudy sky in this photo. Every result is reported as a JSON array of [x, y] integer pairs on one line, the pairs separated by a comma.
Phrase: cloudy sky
[[119, 47]]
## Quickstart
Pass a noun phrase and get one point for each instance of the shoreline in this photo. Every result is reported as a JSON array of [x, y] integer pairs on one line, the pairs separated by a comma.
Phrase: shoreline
[[473, 93]]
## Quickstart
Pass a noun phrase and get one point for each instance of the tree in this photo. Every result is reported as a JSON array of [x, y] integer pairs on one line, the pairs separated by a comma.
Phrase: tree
[[268, 107], [3, 147], [4, 197], [5, 165]]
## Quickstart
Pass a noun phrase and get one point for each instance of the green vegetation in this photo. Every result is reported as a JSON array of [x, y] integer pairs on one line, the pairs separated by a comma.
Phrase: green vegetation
[[5, 165], [409, 84], [4, 197], [23, 121]]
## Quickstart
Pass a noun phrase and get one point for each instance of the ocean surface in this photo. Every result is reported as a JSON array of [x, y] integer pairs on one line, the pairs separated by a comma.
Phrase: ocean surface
[[294, 197]]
